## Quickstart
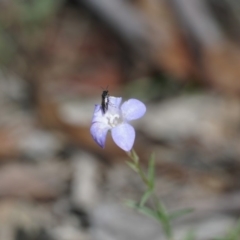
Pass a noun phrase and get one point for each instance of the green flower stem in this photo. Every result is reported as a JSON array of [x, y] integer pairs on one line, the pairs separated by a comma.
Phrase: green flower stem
[[160, 213], [132, 154]]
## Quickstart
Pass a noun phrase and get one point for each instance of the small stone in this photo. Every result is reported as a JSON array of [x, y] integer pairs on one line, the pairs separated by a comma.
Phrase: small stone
[[85, 184]]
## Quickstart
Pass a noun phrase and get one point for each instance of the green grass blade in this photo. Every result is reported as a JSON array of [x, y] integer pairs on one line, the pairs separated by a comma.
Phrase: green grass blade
[[132, 166], [151, 171], [144, 210], [145, 197], [180, 213]]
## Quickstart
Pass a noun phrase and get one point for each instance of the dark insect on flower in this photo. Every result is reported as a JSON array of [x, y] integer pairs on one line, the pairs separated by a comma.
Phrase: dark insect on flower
[[105, 100]]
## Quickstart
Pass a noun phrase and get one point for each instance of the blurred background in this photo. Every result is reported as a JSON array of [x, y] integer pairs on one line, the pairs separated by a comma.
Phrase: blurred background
[[180, 57]]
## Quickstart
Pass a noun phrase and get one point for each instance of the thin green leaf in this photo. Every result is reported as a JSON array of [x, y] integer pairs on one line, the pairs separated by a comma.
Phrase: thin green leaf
[[159, 215], [147, 211], [166, 226], [134, 156], [145, 197], [180, 213], [132, 166], [144, 210], [164, 219], [151, 170], [162, 210], [130, 203]]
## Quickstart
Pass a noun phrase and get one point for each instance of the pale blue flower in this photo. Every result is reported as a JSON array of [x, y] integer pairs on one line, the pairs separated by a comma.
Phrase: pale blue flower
[[117, 120]]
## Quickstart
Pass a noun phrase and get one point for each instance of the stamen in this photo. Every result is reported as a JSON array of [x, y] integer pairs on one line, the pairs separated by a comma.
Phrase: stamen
[[114, 120]]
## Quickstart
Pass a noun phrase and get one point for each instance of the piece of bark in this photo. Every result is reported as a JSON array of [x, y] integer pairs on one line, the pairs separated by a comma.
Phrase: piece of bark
[[219, 61]]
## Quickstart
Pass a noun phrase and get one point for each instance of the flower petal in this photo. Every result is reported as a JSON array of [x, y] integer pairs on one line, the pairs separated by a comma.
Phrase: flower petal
[[115, 101], [124, 135], [98, 115], [99, 133], [133, 109]]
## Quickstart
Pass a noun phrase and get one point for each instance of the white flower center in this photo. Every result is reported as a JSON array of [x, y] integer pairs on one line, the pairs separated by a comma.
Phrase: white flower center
[[114, 119]]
